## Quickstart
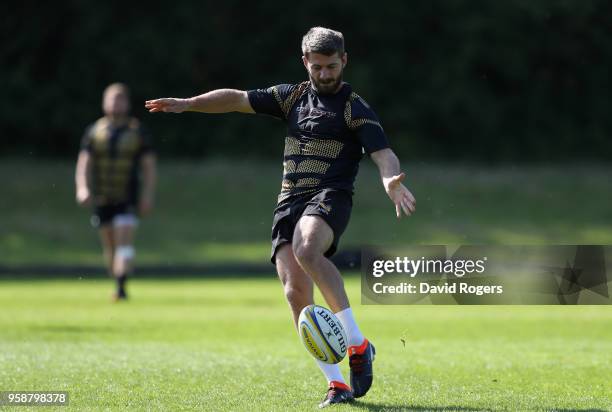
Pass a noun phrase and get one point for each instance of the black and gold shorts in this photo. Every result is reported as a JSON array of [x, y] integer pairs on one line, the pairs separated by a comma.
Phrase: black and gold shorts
[[115, 214], [332, 205]]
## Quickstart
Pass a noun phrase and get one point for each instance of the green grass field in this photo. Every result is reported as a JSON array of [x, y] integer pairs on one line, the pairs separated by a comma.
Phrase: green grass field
[[221, 210], [228, 344]]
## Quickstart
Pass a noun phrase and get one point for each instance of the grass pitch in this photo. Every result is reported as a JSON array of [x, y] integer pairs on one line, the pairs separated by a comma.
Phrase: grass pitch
[[221, 210], [228, 344]]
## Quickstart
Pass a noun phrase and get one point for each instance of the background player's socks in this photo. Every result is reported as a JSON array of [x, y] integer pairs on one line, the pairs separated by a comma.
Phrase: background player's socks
[[331, 372], [121, 286], [355, 338]]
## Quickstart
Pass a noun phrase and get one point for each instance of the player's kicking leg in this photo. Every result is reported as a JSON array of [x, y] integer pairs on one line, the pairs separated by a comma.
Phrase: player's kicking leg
[[123, 232], [298, 288], [311, 239]]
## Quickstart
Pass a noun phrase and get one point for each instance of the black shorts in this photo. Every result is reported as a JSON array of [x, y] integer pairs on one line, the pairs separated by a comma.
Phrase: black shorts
[[333, 205], [104, 215]]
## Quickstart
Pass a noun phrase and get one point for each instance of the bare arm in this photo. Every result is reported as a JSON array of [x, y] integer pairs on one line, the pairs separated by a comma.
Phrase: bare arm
[[216, 101], [392, 177], [81, 177], [149, 180]]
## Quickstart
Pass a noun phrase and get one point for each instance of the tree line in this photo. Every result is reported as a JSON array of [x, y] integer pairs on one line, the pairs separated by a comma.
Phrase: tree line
[[450, 79]]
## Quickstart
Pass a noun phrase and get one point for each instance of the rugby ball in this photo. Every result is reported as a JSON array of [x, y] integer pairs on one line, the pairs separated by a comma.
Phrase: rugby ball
[[322, 334]]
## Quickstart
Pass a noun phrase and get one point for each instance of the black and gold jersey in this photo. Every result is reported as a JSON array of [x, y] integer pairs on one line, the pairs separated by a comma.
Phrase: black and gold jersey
[[116, 151], [326, 135]]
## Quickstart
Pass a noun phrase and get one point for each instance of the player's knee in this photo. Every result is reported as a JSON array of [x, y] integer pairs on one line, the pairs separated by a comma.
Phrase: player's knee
[[295, 292], [125, 252], [306, 253]]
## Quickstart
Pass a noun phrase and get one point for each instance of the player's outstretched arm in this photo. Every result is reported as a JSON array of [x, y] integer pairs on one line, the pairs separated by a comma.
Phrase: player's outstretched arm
[[392, 177], [216, 101], [81, 177]]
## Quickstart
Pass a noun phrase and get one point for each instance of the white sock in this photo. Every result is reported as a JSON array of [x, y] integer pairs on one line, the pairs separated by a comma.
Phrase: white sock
[[355, 338], [331, 371]]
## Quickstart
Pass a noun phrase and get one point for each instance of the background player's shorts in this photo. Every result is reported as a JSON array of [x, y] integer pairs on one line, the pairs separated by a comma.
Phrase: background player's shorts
[[332, 205], [122, 214]]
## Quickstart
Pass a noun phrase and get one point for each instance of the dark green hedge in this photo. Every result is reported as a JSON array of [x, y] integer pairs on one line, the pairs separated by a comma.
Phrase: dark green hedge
[[451, 79]]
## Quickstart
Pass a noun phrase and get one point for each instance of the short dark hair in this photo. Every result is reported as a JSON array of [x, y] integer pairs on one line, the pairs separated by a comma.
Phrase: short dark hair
[[323, 41], [118, 87]]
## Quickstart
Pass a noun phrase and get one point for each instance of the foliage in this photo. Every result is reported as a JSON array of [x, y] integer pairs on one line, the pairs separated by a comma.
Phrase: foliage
[[462, 79]]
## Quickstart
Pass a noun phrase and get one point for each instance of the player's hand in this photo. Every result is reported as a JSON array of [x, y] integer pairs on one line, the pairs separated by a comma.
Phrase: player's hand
[[400, 195], [145, 206], [83, 197], [167, 105]]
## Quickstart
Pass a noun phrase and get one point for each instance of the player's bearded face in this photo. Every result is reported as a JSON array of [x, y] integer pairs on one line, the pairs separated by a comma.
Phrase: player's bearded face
[[325, 72]]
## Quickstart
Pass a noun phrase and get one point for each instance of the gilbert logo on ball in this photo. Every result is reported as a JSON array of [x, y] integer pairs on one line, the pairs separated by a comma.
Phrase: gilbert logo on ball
[[322, 334]]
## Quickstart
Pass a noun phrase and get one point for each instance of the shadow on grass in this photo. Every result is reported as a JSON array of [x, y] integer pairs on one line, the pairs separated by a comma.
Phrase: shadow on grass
[[381, 407], [347, 260]]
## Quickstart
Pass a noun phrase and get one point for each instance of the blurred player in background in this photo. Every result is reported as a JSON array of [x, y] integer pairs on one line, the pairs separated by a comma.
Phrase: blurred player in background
[[328, 129], [116, 174]]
